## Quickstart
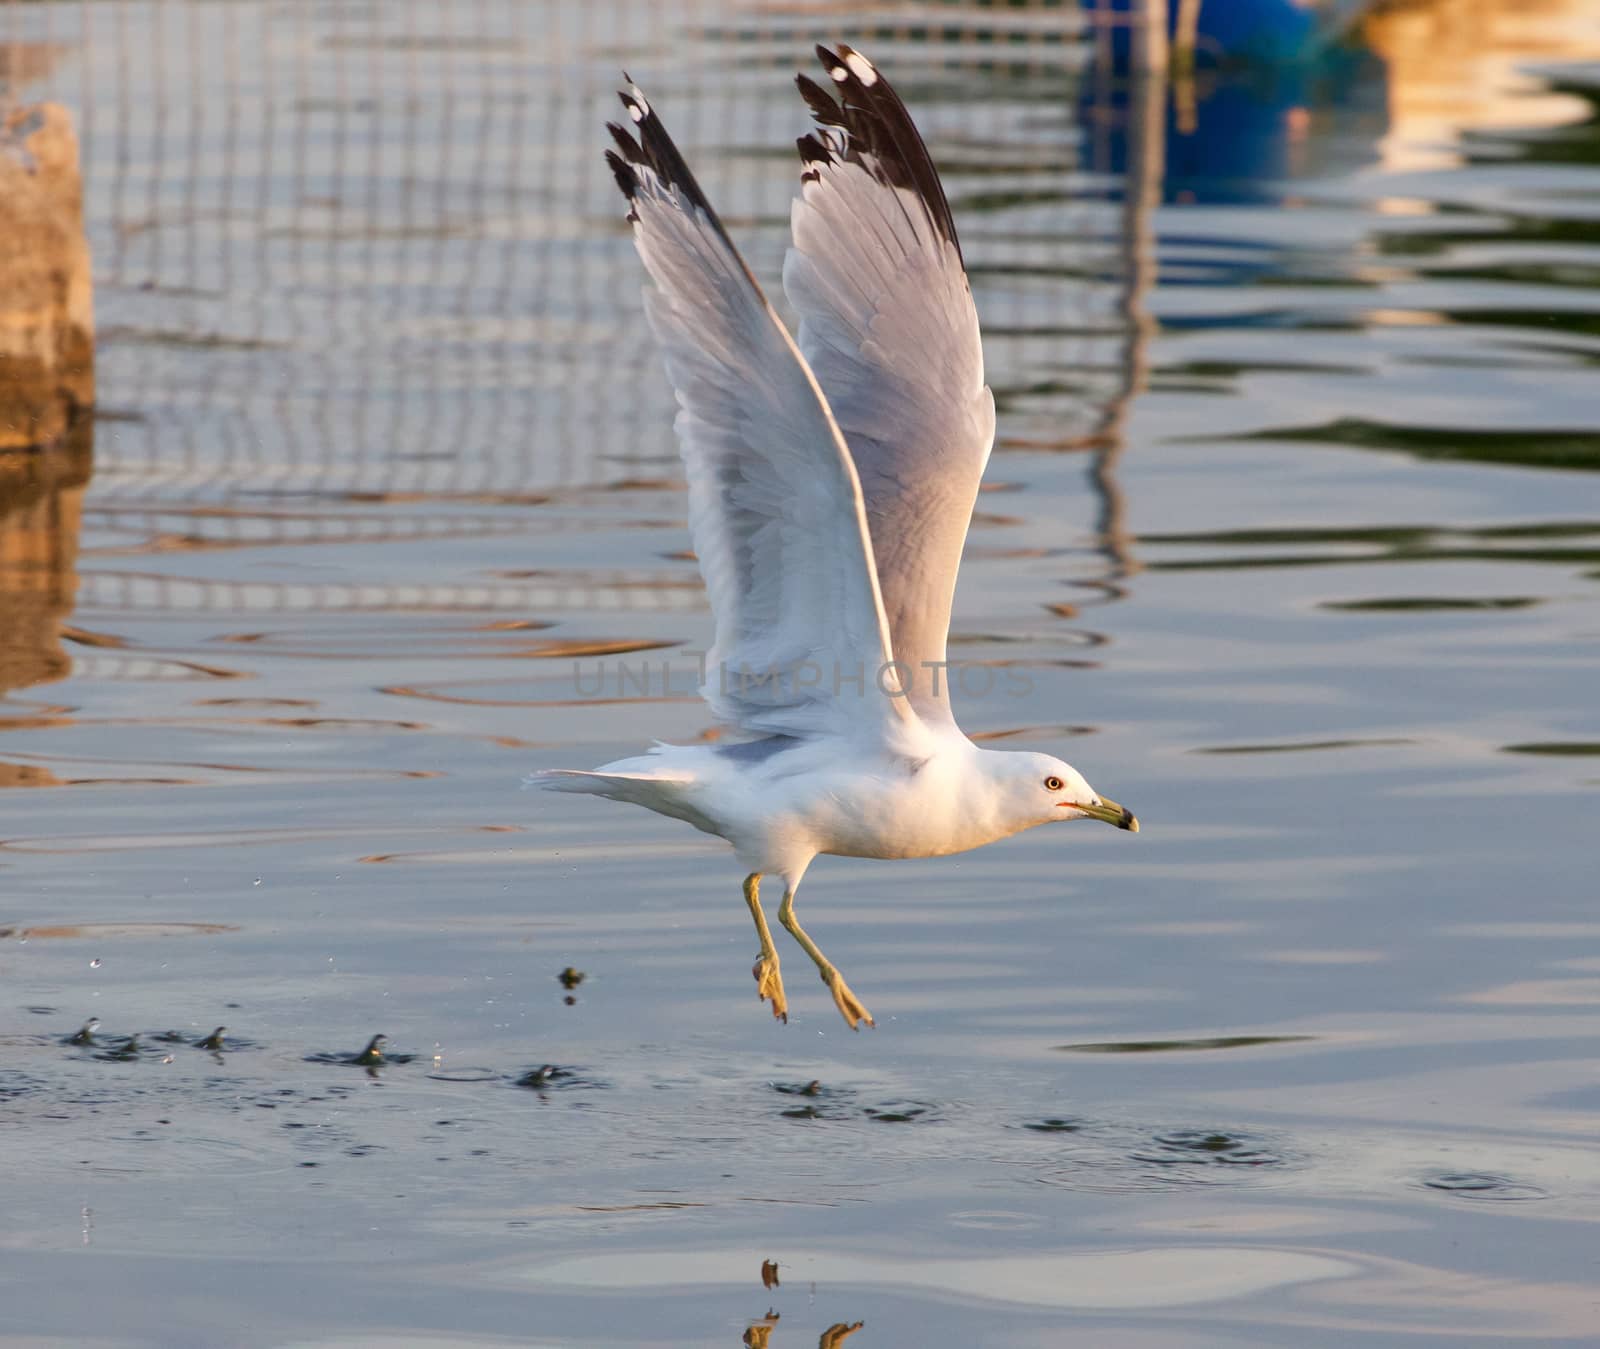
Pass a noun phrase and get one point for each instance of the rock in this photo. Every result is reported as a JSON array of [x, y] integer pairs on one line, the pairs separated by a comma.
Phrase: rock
[[46, 290]]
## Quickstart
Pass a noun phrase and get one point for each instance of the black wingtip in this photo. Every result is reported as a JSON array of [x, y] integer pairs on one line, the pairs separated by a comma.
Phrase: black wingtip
[[876, 126], [822, 104], [622, 171], [812, 150], [812, 153], [653, 150], [626, 145]]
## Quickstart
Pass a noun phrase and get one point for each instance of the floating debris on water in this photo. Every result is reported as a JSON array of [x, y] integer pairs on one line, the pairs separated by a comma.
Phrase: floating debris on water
[[821, 1102], [125, 1050], [900, 1112], [539, 1078], [373, 1057], [555, 1077]]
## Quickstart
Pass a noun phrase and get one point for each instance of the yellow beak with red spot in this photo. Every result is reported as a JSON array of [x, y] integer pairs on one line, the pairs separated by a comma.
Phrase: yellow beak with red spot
[[1106, 810]]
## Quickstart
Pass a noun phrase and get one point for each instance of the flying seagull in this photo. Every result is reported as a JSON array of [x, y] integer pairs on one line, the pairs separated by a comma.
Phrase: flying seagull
[[831, 480]]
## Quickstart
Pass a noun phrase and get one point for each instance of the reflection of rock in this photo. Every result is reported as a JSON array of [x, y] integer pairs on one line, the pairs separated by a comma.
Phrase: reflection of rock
[[41, 500], [26, 775], [1458, 63], [22, 62], [46, 297]]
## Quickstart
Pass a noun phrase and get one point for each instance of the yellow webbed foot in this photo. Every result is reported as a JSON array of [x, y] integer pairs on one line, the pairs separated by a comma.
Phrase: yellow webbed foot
[[769, 986], [769, 983], [849, 1005]]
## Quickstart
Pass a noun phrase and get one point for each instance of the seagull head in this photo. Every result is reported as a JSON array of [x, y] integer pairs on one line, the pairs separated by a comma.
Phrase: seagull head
[[1040, 788]]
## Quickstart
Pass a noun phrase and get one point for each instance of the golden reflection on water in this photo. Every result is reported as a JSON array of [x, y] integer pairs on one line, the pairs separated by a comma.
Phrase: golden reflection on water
[[1457, 63], [41, 510], [758, 1334]]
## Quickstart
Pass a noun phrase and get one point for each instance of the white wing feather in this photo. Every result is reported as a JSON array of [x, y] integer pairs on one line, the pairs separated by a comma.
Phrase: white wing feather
[[888, 325], [775, 507]]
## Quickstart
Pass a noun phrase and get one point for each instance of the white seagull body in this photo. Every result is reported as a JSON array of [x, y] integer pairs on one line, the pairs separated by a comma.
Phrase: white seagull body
[[831, 483]]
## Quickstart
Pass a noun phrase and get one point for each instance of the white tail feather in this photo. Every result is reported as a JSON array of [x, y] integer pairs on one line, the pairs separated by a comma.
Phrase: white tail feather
[[618, 786]]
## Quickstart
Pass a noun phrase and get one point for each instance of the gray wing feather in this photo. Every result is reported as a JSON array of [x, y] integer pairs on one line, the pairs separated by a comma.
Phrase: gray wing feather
[[889, 328], [775, 505]]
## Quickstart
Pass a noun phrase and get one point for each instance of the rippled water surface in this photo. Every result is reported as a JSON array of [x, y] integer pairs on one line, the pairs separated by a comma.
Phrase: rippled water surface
[[1291, 542]]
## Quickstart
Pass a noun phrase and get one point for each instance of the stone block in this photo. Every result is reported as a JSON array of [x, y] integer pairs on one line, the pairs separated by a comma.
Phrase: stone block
[[46, 289]]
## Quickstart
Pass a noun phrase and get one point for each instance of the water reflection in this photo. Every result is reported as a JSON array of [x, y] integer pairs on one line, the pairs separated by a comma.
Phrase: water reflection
[[1569, 449], [41, 512], [1457, 63], [759, 1333], [379, 423]]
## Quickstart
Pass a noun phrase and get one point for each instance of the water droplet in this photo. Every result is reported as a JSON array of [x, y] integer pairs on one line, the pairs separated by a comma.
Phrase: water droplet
[[95, 963]]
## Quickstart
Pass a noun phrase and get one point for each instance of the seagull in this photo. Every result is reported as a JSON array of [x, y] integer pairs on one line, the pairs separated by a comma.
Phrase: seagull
[[831, 479]]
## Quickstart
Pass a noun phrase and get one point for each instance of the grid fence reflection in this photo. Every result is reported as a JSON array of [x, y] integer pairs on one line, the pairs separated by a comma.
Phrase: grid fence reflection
[[353, 253]]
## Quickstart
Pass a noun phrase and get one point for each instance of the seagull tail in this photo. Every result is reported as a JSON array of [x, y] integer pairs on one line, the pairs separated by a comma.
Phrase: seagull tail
[[643, 789], [567, 780], [669, 793]]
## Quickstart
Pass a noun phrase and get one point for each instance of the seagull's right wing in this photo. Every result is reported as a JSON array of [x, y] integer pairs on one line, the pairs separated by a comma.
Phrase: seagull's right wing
[[775, 507], [888, 325]]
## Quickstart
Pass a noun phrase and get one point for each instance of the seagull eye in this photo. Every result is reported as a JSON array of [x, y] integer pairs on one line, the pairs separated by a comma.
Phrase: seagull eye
[[1052, 784]]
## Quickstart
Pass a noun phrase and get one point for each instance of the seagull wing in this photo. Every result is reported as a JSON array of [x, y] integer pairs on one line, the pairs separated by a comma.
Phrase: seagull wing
[[888, 325], [775, 506]]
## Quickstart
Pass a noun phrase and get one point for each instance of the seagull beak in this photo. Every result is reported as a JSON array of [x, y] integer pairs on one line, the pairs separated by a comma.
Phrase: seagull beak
[[1109, 811]]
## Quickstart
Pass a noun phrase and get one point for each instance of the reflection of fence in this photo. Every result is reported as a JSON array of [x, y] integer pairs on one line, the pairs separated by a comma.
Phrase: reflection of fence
[[355, 253], [137, 591], [373, 246]]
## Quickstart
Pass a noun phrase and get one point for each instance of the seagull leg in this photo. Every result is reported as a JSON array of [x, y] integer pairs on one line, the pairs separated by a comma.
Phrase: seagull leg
[[849, 1005], [769, 982]]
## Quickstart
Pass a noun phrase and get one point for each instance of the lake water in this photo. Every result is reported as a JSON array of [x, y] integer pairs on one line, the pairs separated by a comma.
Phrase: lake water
[[1291, 543]]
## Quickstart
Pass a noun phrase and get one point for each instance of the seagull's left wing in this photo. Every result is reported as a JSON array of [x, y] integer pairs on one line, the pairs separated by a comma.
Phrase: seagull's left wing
[[888, 325], [775, 506]]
